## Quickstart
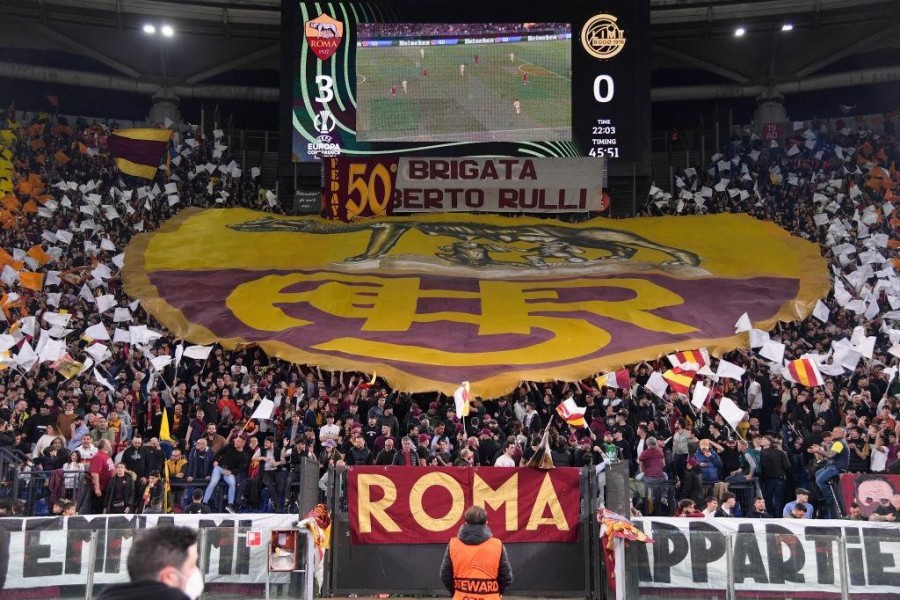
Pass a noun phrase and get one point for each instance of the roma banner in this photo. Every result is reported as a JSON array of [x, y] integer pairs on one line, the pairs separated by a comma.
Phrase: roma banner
[[434, 300], [400, 505], [366, 187], [770, 558]]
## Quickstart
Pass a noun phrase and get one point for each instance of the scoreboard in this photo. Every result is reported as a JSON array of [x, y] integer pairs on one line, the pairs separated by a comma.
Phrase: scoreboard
[[534, 78]]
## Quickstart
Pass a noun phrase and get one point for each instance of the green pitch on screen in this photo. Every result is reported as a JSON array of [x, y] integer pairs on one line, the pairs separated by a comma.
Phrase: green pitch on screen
[[475, 106]]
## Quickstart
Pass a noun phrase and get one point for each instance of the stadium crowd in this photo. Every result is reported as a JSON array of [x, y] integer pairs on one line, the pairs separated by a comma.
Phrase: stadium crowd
[[112, 425]]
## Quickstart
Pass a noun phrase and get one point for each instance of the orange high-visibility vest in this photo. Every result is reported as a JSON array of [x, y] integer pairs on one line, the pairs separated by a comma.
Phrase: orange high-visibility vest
[[475, 569]]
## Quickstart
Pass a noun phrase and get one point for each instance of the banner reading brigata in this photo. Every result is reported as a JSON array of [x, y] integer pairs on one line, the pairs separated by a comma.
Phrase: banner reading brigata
[[425, 506], [367, 187], [776, 556]]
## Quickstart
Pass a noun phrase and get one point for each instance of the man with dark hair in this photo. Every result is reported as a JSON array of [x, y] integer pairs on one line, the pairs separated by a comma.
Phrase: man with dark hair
[[475, 563], [197, 507], [162, 565]]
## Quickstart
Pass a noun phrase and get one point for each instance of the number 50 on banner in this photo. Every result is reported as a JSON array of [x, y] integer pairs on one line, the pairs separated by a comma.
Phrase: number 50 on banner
[[359, 188]]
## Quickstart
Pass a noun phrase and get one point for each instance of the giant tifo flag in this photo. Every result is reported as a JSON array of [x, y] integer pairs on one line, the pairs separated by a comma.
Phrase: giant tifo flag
[[430, 301], [138, 152]]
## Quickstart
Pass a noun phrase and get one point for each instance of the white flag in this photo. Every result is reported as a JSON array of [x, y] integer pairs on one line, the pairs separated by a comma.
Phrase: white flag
[[730, 370], [731, 412], [198, 352], [743, 324], [701, 393], [161, 362], [821, 311], [263, 410], [96, 332], [657, 384]]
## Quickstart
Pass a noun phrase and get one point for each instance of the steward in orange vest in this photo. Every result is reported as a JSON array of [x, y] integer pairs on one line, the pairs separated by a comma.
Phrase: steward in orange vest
[[475, 565]]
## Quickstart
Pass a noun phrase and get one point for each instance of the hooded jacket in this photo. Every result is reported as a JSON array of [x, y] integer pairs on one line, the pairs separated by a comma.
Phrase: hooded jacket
[[473, 535], [141, 590]]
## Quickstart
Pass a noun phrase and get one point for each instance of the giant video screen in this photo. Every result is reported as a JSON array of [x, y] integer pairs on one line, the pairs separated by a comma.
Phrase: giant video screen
[[543, 78], [463, 82]]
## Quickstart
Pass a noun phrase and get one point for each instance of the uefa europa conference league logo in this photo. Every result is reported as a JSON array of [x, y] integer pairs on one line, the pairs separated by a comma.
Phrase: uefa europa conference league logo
[[324, 35], [601, 37]]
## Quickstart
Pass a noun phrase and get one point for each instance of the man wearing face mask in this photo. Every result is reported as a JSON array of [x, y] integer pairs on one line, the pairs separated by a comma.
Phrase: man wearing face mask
[[162, 565]]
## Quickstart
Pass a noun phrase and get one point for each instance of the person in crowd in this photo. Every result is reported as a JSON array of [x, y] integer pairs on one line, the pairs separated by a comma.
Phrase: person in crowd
[[230, 463], [838, 457], [197, 507], [759, 509], [691, 486], [711, 506], [101, 470], [727, 506], [119, 497], [802, 498], [475, 563], [855, 513], [506, 458], [273, 476], [152, 492], [407, 455], [688, 508], [774, 468]]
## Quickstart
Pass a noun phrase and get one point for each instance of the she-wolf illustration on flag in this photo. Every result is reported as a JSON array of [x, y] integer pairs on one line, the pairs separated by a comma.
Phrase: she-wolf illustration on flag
[[433, 300]]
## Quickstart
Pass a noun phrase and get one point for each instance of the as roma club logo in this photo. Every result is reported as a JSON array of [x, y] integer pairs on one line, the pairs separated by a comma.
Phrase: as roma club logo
[[324, 35], [602, 37]]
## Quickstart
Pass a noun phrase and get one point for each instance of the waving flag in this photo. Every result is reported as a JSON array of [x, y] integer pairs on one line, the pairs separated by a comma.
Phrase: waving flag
[[572, 413], [805, 372], [621, 380], [138, 152], [461, 398], [699, 357], [679, 379]]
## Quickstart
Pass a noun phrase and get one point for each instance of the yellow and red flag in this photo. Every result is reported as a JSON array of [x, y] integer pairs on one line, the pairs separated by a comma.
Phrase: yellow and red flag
[[700, 357], [138, 152], [679, 379], [805, 372], [461, 398], [572, 413], [620, 379]]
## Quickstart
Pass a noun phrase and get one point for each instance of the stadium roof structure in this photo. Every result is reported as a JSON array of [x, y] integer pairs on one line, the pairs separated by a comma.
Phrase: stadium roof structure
[[229, 49]]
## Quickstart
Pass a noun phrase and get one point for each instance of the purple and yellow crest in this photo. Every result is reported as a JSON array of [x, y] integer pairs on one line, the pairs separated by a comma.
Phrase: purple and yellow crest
[[434, 300]]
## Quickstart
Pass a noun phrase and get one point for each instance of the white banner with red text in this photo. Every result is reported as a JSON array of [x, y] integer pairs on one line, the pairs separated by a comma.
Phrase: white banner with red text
[[378, 186]]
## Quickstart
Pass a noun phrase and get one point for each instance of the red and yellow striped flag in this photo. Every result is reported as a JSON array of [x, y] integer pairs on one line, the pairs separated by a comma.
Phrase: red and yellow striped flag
[[679, 379], [572, 413], [700, 357], [138, 152], [805, 372]]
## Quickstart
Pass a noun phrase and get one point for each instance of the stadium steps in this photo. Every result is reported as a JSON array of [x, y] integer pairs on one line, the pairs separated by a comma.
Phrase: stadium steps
[[268, 164]]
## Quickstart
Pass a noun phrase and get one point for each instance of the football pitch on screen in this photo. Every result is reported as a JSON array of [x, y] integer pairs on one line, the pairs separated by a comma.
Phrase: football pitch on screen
[[477, 105]]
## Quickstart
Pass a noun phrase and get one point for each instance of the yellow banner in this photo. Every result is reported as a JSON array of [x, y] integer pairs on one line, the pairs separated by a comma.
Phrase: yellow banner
[[439, 299]]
